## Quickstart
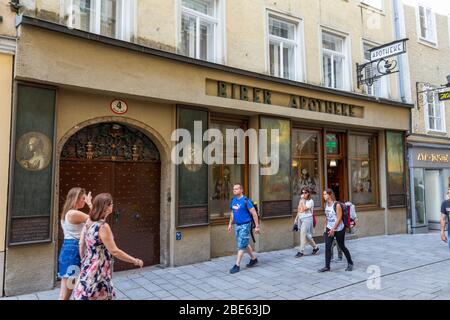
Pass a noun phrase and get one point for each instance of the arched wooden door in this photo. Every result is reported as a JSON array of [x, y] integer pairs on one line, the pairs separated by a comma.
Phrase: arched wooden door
[[122, 161]]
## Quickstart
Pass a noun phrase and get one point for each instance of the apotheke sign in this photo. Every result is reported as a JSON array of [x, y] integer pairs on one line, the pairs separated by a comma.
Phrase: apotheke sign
[[388, 50]]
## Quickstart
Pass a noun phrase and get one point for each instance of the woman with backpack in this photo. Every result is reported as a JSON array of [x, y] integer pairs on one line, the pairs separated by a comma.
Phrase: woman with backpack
[[305, 222], [335, 228]]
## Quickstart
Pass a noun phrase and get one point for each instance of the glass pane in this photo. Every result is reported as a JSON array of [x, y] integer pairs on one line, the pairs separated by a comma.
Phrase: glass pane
[[327, 70], [108, 18], [275, 67], [306, 174], [277, 186], [423, 24], [395, 150], [206, 41], [84, 15], [188, 35], [331, 144], [338, 72], [434, 198], [281, 28], [419, 196], [305, 143], [332, 42], [203, 6], [360, 146], [367, 52], [361, 182], [222, 181], [288, 62]]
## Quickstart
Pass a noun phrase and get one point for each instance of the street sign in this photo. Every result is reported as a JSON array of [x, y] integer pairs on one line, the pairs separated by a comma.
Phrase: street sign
[[388, 50], [443, 96]]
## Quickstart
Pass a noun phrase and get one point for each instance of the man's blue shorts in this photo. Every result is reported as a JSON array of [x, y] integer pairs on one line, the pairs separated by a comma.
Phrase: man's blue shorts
[[243, 235]]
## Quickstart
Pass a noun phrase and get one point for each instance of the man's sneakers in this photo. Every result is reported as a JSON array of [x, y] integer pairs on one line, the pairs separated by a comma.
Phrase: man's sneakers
[[235, 269], [252, 263], [299, 254], [315, 250]]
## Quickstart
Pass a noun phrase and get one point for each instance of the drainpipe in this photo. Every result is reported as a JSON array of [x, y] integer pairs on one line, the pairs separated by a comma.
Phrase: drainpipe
[[398, 36]]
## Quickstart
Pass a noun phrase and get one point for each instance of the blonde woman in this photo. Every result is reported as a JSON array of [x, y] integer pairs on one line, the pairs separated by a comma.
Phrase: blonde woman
[[72, 222], [97, 248]]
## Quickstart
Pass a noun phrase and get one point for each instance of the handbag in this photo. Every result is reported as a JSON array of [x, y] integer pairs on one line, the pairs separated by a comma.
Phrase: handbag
[[314, 218]]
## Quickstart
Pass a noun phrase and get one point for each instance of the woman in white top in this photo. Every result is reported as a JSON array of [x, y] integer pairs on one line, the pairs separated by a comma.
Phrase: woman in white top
[[335, 228], [305, 222], [72, 222]]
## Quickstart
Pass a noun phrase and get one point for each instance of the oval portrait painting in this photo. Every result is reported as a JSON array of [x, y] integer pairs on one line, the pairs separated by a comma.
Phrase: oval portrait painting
[[34, 151]]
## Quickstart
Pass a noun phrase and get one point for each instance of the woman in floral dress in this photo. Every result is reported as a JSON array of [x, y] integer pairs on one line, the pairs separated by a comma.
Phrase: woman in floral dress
[[97, 249]]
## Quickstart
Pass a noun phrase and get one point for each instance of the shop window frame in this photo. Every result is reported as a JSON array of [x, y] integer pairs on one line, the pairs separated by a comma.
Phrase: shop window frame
[[374, 170], [317, 206], [405, 191], [243, 124]]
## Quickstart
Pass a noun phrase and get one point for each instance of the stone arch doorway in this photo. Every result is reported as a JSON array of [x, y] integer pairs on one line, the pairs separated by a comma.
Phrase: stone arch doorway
[[123, 161]]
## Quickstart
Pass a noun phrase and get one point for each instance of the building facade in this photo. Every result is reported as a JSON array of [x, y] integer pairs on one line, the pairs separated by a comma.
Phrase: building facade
[[7, 52], [100, 86], [428, 27]]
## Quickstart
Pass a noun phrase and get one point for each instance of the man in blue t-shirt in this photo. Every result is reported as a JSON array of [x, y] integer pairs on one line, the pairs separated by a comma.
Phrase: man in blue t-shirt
[[445, 211], [242, 214]]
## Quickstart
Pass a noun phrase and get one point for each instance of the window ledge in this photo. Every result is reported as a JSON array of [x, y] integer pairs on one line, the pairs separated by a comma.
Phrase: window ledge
[[374, 9], [428, 43], [437, 132]]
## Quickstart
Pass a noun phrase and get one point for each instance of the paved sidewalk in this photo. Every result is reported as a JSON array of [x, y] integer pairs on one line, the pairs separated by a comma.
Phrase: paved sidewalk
[[411, 266]]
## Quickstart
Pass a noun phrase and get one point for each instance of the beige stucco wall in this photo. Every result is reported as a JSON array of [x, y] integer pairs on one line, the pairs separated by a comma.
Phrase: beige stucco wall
[[7, 27], [6, 64], [248, 50], [428, 64], [194, 246]]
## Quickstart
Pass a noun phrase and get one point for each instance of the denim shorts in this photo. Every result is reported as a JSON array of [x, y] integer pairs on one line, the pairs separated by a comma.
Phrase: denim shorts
[[69, 259], [243, 235]]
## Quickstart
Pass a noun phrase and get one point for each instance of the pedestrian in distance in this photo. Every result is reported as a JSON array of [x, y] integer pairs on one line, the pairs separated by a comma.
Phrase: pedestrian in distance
[[304, 220], [72, 223], [97, 249], [335, 229], [242, 214], [445, 216]]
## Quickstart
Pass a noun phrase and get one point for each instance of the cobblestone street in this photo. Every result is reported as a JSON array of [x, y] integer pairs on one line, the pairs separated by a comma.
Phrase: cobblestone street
[[411, 267]]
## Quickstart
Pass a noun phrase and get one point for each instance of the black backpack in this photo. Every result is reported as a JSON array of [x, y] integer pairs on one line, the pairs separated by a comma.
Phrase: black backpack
[[255, 204], [345, 213]]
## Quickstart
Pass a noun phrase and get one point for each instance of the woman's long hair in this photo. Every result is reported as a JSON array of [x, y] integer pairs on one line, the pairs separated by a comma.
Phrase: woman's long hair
[[73, 196], [99, 206], [330, 192]]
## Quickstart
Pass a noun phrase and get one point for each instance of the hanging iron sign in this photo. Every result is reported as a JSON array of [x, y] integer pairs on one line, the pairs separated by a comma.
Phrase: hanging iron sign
[[444, 96], [388, 50], [381, 62]]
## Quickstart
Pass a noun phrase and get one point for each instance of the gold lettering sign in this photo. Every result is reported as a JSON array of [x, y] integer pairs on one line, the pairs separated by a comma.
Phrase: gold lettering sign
[[259, 95], [433, 157]]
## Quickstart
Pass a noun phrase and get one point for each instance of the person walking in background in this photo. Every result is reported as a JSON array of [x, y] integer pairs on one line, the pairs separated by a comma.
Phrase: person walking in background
[[304, 220], [72, 223], [445, 211], [242, 214], [335, 228], [97, 248]]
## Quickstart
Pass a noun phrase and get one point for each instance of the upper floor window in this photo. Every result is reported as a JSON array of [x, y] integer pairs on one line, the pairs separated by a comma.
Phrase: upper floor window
[[283, 48], [435, 114], [380, 88], [335, 65], [378, 4], [427, 24], [199, 32], [111, 18]]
